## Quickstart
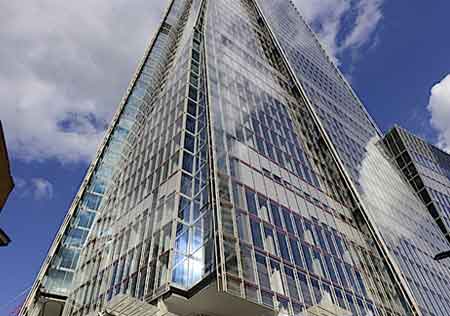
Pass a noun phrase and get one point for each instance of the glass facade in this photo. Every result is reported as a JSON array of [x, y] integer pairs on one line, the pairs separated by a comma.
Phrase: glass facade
[[155, 228], [251, 167], [55, 278], [427, 169], [287, 232], [400, 222]]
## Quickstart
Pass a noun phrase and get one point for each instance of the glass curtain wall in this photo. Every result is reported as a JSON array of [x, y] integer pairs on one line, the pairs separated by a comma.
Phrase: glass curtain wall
[[427, 170], [155, 227], [253, 161], [286, 233], [57, 271], [388, 203]]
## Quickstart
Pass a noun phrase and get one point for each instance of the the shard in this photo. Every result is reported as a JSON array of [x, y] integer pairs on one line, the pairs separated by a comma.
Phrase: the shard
[[242, 176]]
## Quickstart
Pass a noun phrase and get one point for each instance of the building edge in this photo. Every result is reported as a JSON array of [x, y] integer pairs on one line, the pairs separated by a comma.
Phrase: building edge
[[394, 269], [29, 300]]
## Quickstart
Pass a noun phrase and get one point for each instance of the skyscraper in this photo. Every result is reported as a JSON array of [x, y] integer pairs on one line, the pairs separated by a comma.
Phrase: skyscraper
[[427, 169], [249, 180]]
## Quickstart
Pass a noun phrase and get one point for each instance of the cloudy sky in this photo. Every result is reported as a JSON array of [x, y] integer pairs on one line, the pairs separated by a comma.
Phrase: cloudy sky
[[64, 66]]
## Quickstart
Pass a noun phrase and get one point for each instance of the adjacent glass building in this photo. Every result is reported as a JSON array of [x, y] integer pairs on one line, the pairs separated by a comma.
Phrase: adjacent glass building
[[427, 169], [248, 180]]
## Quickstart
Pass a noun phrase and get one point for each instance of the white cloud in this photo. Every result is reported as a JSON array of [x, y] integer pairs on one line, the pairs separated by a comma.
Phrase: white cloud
[[37, 188], [368, 17], [42, 189], [439, 108], [327, 19], [65, 66], [19, 183]]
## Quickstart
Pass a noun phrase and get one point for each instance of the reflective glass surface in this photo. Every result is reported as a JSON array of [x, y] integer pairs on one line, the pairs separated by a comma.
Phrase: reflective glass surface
[[155, 227], [58, 276], [242, 153], [288, 237], [427, 169], [409, 232]]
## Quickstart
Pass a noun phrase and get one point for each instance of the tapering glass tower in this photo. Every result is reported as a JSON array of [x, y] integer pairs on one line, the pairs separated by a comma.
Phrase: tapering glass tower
[[250, 181]]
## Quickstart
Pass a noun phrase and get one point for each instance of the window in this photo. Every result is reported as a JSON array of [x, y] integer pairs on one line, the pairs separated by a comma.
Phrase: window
[[188, 162], [330, 240], [98, 186], [189, 142], [263, 209], [275, 215], [85, 218], [256, 234], [180, 273], [275, 277], [261, 267], [69, 258], [251, 203], [192, 93], [283, 246], [317, 291], [267, 298], [341, 273], [299, 226], [318, 264], [308, 259], [308, 233], [287, 220], [296, 252], [190, 124], [269, 240], [303, 281], [351, 302], [91, 201], [360, 283], [292, 286], [349, 270], [251, 293], [242, 225], [247, 264], [238, 195], [340, 298], [330, 269], [184, 209], [195, 55], [186, 184], [75, 237], [192, 108], [320, 237]]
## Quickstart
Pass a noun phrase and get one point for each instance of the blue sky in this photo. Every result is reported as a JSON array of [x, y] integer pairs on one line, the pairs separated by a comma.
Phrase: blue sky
[[60, 87]]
